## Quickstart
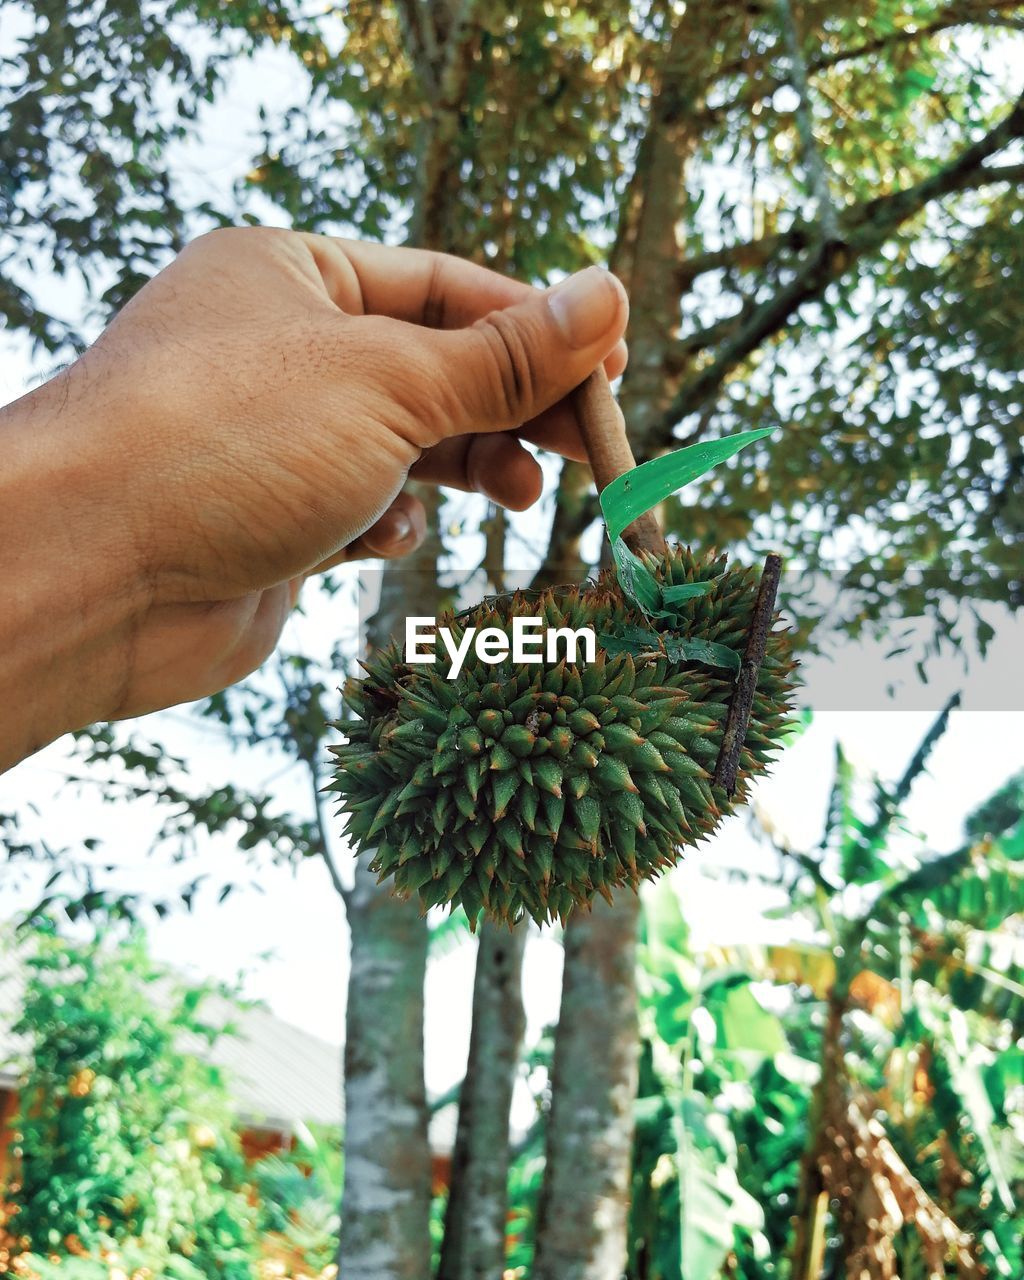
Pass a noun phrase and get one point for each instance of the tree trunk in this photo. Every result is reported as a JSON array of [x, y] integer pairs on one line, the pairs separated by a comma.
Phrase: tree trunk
[[386, 1198], [385, 1218], [584, 1201], [385, 1221], [827, 1102], [474, 1229], [581, 1231]]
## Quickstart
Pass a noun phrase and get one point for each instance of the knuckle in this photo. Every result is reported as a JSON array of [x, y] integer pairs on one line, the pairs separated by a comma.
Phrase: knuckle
[[509, 363], [226, 239]]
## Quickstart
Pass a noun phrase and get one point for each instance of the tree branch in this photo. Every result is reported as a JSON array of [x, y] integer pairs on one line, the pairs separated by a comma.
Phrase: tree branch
[[321, 827], [814, 161], [680, 353], [458, 36], [576, 509], [419, 35], [862, 229], [742, 701], [750, 255], [810, 281], [956, 16]]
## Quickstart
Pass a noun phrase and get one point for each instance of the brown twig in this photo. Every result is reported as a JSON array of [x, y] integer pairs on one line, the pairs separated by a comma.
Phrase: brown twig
[[604, 436], [742, 703]]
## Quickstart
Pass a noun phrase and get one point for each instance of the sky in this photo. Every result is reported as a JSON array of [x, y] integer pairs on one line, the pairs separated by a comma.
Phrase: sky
[[286, 929]]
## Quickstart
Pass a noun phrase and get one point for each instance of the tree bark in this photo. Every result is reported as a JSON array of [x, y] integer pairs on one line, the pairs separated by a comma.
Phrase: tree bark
[[474, 1229], [385, 1218], [811, 1210], [584, 1207], [649, 244], [385, 1221], [386, 1196]]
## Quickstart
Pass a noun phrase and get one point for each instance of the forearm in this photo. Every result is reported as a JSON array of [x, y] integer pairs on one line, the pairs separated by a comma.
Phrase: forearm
[[67, 599]]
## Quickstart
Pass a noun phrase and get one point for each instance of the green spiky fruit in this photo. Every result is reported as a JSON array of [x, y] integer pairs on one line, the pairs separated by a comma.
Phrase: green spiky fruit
[[525, 788]]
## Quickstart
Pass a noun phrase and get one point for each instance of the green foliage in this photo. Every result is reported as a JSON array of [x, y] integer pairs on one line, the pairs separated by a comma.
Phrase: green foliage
[[130, 1261], [893, 374], [125, 1139], [891, 358], [999, 814], [704, 1035], [739, 1085], [892, 370], [94, 99], [299, 1193]]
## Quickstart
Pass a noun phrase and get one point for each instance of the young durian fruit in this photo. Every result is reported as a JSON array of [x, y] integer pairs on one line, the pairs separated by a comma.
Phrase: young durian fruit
[[524, 788]]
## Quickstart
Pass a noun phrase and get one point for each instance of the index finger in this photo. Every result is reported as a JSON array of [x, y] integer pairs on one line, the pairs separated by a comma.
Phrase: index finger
[[440, 291], [419, 286]]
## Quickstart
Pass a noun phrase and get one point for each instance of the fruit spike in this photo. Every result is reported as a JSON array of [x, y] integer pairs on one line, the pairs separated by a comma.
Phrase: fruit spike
[[528, 789]]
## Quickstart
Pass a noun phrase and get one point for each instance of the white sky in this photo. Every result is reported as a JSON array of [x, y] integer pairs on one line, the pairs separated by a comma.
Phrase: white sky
[[291, 938]]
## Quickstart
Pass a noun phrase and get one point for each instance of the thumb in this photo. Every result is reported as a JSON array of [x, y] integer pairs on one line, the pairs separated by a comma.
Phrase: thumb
[[517, 361]]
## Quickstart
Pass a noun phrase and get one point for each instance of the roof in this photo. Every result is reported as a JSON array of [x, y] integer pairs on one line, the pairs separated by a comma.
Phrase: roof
[[278, 1075], [12, 985]]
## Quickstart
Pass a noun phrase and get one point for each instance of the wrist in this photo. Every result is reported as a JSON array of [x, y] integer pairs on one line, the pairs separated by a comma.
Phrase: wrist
[[72, 591]]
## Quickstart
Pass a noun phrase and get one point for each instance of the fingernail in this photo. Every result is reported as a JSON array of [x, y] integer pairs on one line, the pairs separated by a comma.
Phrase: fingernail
[[401, 527], [586, 305]]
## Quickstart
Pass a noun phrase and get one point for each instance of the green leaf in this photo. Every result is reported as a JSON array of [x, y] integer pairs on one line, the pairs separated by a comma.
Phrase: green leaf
[[1012, 843], [614, 645], [684, 591], [970, 1085], [712, 1204], [638, 640], [662, 920], [706, 651], [635, 579], [637, 491], [745, 1025]]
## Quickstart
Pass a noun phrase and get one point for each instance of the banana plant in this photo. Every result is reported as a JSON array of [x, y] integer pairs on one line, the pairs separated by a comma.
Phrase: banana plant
[[897, 1029]]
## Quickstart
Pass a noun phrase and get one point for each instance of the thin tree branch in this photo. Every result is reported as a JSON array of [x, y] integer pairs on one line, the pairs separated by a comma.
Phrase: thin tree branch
[[321, 828], [864, 229], [814, 161], [824, 265], [751, 255], [956, 16], [576, 509], [742, 702], [416, 26], [681, 352]]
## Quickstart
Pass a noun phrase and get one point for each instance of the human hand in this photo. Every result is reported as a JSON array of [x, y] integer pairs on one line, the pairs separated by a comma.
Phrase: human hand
[[252, 415]]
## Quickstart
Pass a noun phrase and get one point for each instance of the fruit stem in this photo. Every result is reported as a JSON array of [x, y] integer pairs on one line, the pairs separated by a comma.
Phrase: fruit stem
[[742, 703], [604, 436]]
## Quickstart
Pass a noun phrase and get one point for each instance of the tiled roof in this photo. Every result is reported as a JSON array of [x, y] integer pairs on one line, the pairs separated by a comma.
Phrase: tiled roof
[[278, 1075], [12, 985]]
